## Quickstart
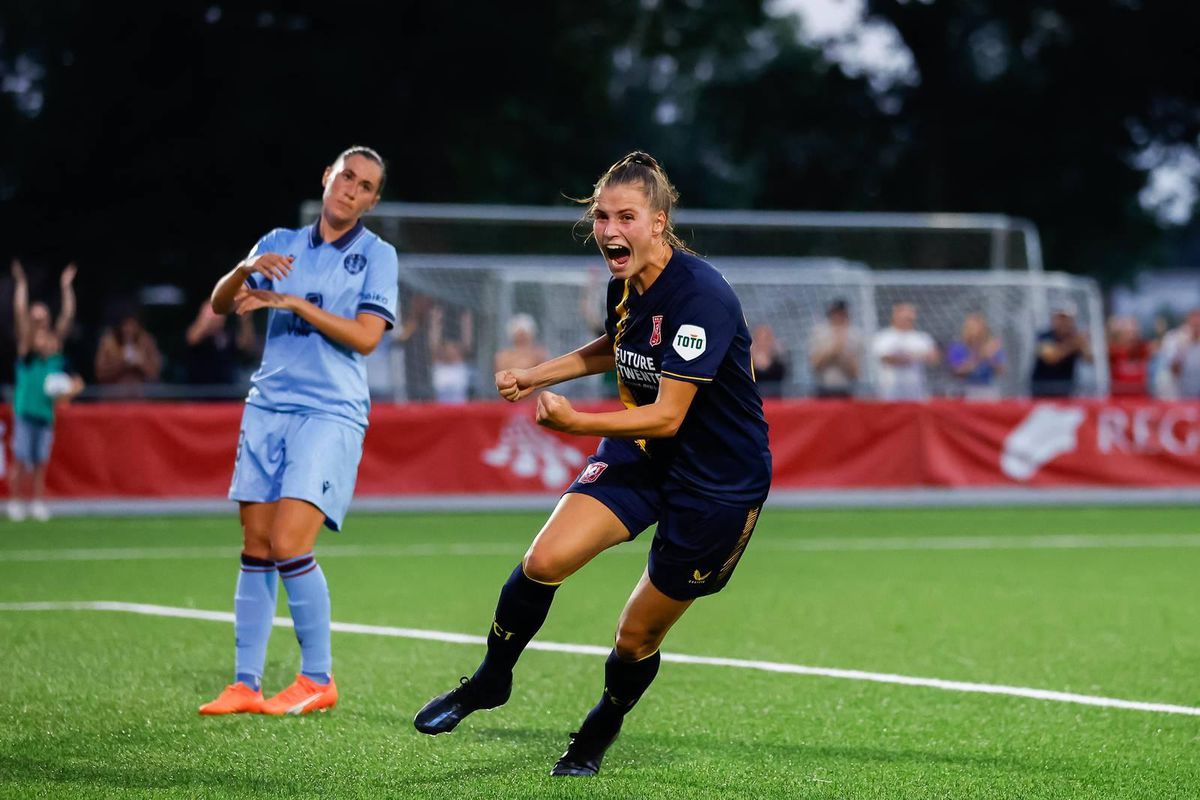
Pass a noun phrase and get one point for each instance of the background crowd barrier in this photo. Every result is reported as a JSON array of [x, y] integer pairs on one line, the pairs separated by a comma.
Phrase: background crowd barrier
[[186, 450]]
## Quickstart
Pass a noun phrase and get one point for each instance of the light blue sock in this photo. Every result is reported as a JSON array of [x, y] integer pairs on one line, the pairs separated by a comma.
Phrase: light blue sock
[[308, 600], [253, 610]]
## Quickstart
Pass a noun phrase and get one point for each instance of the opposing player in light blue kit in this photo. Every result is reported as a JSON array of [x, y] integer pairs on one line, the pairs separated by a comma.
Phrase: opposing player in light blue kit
[[331, 289]]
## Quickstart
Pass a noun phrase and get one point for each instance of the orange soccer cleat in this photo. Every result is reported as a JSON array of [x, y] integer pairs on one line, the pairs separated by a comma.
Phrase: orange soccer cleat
[[302, 697], [238, 698]]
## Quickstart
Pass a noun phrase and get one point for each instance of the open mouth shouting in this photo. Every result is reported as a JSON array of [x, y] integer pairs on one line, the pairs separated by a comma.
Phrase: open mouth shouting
[[617, 255]]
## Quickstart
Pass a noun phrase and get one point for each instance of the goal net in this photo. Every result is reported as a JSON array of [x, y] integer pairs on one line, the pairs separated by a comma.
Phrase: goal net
[[466, 271]]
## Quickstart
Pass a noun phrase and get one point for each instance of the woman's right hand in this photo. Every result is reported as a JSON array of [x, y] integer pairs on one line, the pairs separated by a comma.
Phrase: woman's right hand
[[271, 265], [514, 384]]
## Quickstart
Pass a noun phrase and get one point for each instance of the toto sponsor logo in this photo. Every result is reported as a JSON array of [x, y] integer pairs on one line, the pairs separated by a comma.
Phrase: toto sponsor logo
[[689, 342]]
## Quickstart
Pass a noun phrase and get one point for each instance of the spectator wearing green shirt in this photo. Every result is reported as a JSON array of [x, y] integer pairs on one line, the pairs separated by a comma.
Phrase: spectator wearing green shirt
[[41, 383]]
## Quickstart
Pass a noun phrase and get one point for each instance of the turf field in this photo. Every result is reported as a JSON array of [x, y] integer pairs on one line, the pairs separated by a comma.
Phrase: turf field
[[1097, 602]]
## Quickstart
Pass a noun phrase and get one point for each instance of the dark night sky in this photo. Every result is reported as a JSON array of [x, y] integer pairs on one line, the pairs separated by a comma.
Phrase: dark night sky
[[155, 146]]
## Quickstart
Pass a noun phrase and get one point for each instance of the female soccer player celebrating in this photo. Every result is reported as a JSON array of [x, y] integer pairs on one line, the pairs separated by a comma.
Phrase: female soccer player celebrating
[[688, 452], [331, 290]]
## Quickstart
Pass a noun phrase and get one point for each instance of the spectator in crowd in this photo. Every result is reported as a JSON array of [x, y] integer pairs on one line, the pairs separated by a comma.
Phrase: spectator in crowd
[[592, 301], [41, 383], [128, 355], [769, 360], [834, 352], [976, 359], [904, 354], [217, 345], [1181, 357], [523, 351], [412, 334], [451, 374], [1058, 351], [1159, 381], [1128, 358]]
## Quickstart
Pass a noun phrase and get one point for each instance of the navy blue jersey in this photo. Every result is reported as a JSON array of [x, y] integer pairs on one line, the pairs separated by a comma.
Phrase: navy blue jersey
[[689, 326]]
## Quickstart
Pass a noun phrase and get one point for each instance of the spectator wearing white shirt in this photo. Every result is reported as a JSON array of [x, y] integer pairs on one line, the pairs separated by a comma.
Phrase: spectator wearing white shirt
[[903, 354], [450, 372], [834, 352], [1180, 362]]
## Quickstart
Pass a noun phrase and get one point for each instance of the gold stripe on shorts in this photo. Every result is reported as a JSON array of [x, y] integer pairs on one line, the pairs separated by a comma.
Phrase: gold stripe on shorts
[[747, 529]]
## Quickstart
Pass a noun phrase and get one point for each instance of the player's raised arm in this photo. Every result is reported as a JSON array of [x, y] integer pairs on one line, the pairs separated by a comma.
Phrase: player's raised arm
[[594, 357], [20, 307], [66, 315]]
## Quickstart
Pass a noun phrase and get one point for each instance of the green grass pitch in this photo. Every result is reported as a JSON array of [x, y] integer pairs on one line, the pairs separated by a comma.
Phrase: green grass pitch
[[103, 704]]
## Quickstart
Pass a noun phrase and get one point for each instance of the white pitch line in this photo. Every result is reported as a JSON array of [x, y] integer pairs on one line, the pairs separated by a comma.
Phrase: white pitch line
[[1042, 542], [461, 549], [594, 650], [231, 551]]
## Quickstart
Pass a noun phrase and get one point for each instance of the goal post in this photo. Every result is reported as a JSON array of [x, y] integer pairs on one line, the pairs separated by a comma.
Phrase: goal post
[[481, 265], [881, 240]]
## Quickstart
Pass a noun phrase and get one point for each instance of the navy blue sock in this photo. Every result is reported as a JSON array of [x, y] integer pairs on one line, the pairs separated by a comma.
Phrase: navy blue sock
[[523, 606], [624, 684]]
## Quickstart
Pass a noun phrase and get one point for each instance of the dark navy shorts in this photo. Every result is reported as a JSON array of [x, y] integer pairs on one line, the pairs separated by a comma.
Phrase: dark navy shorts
[[698, 541]]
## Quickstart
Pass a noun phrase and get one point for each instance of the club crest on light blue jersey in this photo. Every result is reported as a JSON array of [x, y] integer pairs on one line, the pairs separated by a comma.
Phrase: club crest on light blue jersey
[[355, 263]]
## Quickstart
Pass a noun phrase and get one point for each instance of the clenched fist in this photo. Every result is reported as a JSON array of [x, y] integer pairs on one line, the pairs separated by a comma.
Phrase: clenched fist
[[514, 384], [554, 412]]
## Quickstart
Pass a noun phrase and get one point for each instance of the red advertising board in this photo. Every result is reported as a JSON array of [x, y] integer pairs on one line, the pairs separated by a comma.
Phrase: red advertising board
[[187, 449]]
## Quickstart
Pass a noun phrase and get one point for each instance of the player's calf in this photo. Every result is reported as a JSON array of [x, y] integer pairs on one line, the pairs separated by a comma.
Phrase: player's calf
[[624, 684]]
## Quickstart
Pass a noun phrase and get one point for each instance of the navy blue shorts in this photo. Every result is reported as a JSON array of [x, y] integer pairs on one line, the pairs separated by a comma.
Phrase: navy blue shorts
[[698, 542]]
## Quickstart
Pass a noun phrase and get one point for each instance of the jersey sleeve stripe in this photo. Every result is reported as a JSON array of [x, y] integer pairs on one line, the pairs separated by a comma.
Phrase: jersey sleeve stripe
[[377, 310], [252, 282], [687, 377]]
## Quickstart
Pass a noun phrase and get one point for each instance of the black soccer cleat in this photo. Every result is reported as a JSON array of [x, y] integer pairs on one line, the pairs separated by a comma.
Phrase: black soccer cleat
[[443, 713], [583, 755]]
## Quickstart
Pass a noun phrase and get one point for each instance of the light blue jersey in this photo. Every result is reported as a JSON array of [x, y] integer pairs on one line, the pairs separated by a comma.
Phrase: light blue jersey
[[302, 371]]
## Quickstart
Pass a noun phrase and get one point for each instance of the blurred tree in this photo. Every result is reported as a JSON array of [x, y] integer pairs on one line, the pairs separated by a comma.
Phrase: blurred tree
[[166, 140], [1047, 110], [155, 142]]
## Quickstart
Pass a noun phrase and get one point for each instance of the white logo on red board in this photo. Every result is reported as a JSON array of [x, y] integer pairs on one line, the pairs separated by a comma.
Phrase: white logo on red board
[[528, 451], [1047, 433], [593, 471], [656, 334]]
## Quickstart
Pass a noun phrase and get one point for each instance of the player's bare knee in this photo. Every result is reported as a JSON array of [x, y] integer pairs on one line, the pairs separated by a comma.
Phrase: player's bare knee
[[543, 567], [285, 545], [635, 642], [256, 543]]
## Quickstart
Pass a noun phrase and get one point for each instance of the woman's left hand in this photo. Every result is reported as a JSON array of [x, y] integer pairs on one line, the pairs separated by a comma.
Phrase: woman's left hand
[[255, 299], [554, 412]]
